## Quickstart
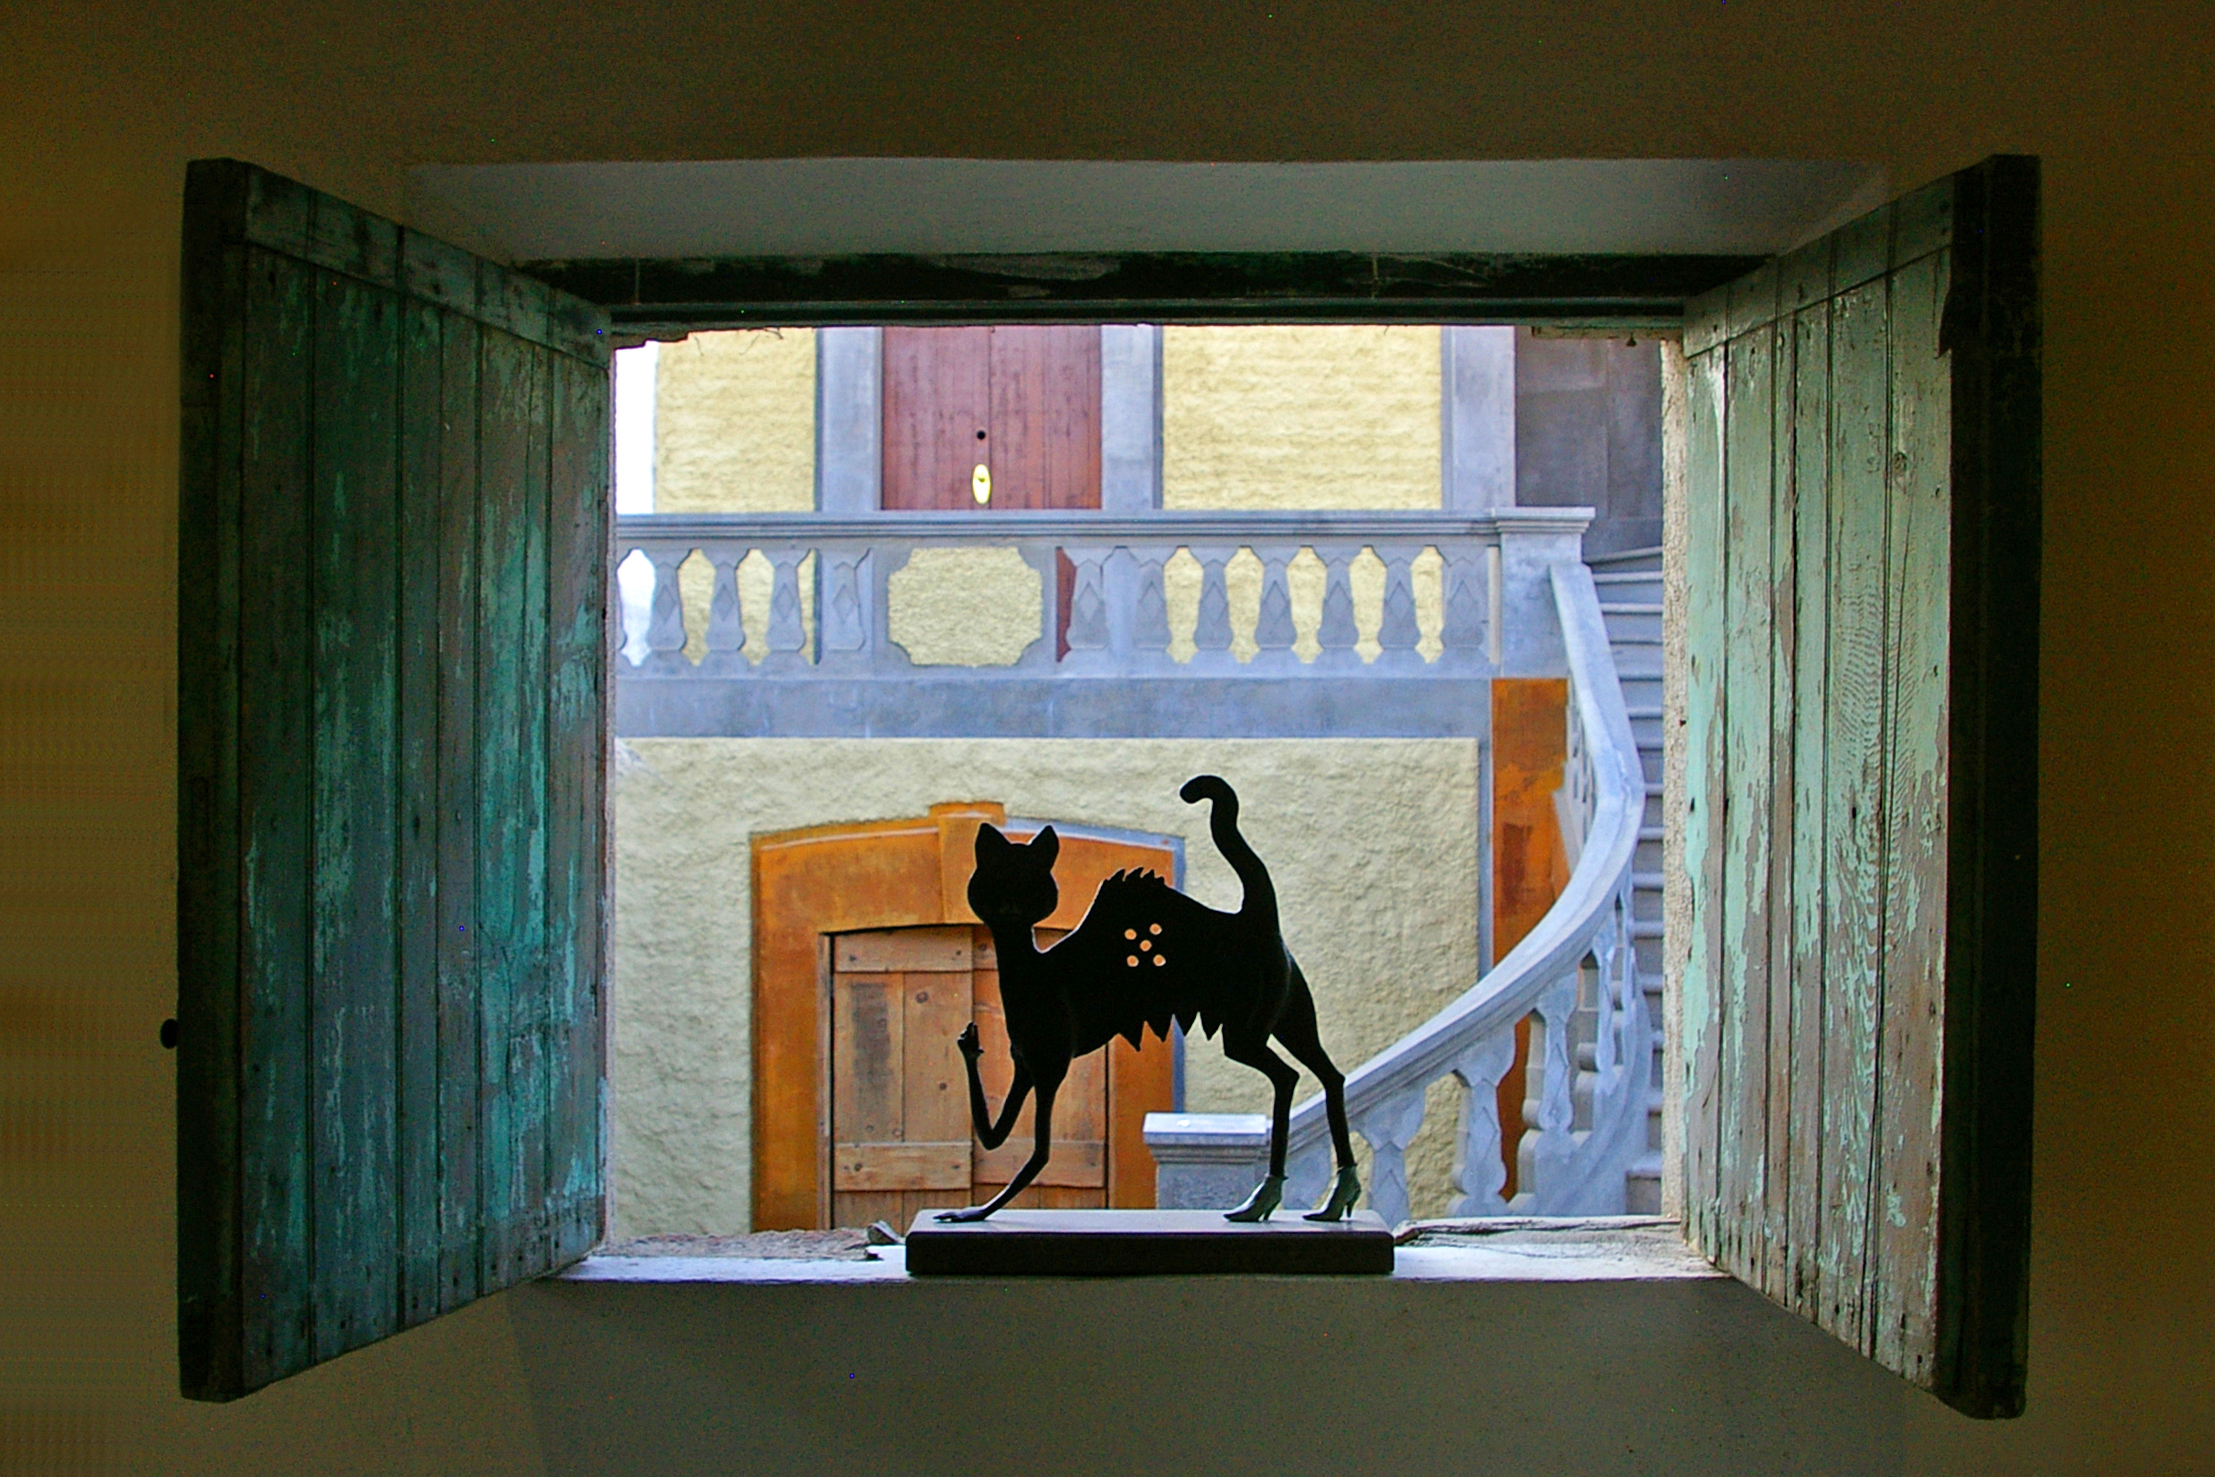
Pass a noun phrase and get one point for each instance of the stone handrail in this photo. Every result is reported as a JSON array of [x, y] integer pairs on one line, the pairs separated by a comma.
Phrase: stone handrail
[[1104, 582], [1567, 1169]]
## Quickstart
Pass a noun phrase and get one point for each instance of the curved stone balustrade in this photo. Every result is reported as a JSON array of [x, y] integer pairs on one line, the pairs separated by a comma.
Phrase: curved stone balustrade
[[1575, 976]]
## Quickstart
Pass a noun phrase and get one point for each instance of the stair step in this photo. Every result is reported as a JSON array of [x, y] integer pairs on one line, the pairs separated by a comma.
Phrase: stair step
[[1626, 576], [1646, 881], [1624, 607], [1651, 833], [1624, 556], [1640, 929]]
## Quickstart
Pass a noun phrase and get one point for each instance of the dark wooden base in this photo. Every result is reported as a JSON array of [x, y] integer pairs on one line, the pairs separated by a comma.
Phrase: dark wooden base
[[1143, 1243]]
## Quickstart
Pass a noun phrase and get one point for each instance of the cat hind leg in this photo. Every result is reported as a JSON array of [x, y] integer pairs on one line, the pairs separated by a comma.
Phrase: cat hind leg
[[1285, 1079]]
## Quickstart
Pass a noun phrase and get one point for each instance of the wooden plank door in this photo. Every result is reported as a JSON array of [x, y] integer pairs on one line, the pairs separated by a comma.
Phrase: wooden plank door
[[1861, 724], [1020, 402], [1076, 1178], [900, 1139]]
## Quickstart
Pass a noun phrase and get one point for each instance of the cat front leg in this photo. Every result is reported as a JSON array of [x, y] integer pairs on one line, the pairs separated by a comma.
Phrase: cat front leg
[[1041, 1150], [991, 1134]]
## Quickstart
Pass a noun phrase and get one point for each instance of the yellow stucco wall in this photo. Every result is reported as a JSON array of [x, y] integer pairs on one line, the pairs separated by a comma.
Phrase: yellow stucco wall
[[1375, 866], [734, 422], [1331, 416]]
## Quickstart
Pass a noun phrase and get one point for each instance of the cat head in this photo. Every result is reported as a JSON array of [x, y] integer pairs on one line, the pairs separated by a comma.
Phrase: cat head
[[1014, 885]]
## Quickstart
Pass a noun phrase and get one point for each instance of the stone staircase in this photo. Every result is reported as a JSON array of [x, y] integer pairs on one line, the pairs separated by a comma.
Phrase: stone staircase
[[1629, 585]]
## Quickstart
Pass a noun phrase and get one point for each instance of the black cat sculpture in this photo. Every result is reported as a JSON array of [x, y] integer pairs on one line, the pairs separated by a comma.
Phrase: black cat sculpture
[[1143, 956]]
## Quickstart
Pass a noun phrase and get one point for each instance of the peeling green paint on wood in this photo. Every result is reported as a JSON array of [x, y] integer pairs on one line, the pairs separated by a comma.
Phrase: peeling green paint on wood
[[1826, 1157], [369, 1063]]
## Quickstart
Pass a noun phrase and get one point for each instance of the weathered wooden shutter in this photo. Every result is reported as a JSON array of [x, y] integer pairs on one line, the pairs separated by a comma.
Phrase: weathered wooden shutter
[[1861, 828], [391, 728]]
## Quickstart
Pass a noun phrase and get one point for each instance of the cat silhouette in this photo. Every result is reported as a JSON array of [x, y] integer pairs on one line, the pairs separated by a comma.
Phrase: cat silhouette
[[1145, 956]]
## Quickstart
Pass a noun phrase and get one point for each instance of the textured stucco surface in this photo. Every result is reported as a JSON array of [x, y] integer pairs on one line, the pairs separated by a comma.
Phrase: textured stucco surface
[[979, 607], [1332, 416], [734, 422], [1372, 842]]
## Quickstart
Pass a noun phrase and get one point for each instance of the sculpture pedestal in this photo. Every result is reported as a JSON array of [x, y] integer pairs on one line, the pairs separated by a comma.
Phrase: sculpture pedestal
[[1145, 1243]]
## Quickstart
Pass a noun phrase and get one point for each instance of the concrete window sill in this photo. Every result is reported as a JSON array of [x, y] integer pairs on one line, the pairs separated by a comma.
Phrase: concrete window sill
[[1599, 1249]]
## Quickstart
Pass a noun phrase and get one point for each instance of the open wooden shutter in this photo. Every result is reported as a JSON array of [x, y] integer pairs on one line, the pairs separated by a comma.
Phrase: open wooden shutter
[[392, 735], [1861, 816]]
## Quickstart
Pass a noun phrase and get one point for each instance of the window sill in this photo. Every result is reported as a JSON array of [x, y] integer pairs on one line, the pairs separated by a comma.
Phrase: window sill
[[1597, 1249]]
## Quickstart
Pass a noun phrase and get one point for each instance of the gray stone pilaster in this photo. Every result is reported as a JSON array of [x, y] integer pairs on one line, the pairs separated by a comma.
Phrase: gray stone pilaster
[[849, 419], [1477, 417], [1130, 417]]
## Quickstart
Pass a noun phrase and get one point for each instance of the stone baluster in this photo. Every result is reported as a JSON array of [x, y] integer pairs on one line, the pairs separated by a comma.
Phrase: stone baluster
[[1150, 630], [1274, 632], [1211, 632], [1390, 1127], [1546, 1153], [665, 635], [1480, 1170], [1398, 634], [844, 583], [726, 633], [1088, 607], [1464, 598], [1338, 634], [788, 635]]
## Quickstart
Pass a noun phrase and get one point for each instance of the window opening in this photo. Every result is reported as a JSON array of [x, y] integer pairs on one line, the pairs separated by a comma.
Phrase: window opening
[[871, 572]]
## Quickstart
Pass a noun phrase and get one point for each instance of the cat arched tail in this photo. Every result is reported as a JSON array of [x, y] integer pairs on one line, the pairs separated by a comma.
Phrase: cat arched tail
[[1260, 893]]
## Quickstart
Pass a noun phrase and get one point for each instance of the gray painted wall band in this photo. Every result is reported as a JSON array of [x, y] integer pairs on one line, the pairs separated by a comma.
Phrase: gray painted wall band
[[1052, 707], [1130, 417], [849, 419], [1476, 405]]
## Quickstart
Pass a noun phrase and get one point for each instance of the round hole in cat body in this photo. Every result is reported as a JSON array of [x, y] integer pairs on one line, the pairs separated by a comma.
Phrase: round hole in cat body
[[1145, 946], [1161, 959], [1132, 961], [1155, 929], [1130, 933]]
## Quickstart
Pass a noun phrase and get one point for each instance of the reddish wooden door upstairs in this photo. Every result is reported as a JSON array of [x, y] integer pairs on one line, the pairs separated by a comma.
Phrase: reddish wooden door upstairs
[[1020, 402]]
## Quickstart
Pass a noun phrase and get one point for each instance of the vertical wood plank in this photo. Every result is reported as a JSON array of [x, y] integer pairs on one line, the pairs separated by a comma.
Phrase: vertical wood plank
[[1992, 332], [276, 662], [1811, 701], [1749, 617], [1904, 1267], [1701, 988], [1045, 416], [531, 1021], [1781, 810], [577, 564], [355, 789], [421, 402], [211, 456], [504, 822], [460, 1109], [1853, 804], [933, 1082]]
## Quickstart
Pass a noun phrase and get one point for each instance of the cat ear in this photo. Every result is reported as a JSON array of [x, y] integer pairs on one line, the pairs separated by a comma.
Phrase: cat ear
[[1047, 845], [990, 843]]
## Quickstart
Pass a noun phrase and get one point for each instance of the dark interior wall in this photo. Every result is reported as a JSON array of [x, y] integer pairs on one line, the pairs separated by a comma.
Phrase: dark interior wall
[[1588, 434], [103, 102]]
